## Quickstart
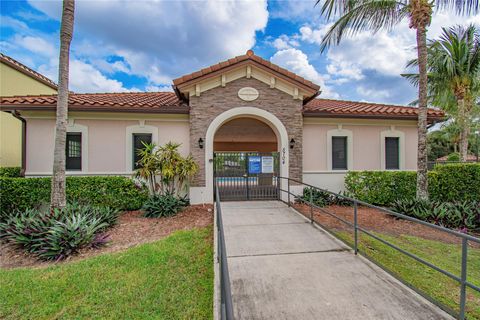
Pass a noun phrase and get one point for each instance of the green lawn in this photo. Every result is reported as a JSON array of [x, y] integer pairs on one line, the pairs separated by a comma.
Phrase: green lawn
[[431, 282], [168, 279]]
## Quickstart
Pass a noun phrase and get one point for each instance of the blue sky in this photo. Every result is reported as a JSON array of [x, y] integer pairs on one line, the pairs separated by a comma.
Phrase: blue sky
[[142, 45]]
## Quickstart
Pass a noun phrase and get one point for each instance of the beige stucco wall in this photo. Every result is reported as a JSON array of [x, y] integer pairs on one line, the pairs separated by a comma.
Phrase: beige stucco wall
[[12, 83], [106, 150], [366, 147]]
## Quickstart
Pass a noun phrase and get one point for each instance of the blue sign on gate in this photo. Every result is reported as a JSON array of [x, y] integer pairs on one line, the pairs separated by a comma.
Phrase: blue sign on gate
[[254, 164]]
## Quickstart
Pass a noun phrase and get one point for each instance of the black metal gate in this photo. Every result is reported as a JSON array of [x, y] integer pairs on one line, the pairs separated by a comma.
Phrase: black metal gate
[[247, 175]]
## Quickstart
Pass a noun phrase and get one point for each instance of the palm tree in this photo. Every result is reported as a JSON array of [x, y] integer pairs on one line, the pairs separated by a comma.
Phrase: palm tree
[[454, 76], [375, 15], [58, 197]]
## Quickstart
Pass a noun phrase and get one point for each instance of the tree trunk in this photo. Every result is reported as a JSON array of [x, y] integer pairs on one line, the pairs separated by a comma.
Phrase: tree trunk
[[58, 195], [422, 181], [464, 129]]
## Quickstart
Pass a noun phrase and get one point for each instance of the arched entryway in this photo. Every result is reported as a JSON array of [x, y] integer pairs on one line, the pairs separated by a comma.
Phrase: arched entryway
[[245, 135], [252, 133]]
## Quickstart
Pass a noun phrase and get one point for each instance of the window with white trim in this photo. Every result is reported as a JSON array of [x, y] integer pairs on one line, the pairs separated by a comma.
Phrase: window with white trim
[[392, 149], [339, 153], [139, 140], [339, 149], [392, 153], [73, 151]]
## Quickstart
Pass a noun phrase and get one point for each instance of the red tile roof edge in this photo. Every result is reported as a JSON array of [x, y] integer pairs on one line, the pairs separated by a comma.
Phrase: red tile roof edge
[[27, 71], [249, 56], [168, 102], [344, 108]]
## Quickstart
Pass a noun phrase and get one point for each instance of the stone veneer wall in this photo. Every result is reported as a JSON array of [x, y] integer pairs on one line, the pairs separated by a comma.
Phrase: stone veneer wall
[[211, 103]]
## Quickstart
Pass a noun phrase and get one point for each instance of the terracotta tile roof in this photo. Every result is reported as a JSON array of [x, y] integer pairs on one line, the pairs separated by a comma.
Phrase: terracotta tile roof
[[341, 108], [168, 102], [27, 71], [249, 56], [150, 102]]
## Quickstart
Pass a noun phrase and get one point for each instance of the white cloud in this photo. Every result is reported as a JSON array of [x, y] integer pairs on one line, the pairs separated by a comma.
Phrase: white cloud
[[285, 42], [152, 88], [296, 10], [373, 94], [314, 35], [85, 78], [162, 40], [9, 22], [37, 45], [385, 52], [297, 61]]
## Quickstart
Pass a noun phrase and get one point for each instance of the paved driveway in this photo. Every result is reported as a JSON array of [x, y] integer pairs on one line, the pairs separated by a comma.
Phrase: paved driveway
[[282, 267]]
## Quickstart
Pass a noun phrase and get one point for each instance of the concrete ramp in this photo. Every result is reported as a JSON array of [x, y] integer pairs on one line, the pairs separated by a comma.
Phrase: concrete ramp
[[282, 267]]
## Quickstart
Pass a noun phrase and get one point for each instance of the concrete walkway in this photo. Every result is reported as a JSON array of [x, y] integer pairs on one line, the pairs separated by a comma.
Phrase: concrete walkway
[[281, 267]]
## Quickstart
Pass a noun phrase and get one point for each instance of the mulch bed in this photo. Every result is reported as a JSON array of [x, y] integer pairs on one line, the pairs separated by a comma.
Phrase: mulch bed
[[374, 220], [132, 229]]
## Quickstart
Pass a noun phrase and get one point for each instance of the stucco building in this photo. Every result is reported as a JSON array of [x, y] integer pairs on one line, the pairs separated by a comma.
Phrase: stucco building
[[245, 105], [17, 79]]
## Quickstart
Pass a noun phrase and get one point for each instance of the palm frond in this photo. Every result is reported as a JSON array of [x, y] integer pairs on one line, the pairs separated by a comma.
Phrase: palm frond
[[361, 15], [462, 7]]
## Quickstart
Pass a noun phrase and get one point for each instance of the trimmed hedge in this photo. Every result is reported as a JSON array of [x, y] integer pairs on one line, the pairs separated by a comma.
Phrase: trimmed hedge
[[116, 192], [447, 183], [10, 172]]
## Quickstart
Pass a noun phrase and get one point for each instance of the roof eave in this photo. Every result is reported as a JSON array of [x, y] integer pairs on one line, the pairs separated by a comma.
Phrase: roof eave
[[314, 114], [167, 110]]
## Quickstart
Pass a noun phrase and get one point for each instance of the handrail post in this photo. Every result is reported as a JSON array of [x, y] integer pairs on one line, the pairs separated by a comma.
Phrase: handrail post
[[311, 205], [288, 184], [463, 277], [355, 226], [279, 196]]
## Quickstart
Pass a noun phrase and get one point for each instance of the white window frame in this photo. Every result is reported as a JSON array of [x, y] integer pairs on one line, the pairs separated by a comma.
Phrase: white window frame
[[340, 132], [75, 127], [392, 133], [130, 130]]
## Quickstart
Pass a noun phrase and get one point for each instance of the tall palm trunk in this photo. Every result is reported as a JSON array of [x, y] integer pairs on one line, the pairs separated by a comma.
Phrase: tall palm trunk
[[464, 129], [422, 180], [58, 195], [420, 18]]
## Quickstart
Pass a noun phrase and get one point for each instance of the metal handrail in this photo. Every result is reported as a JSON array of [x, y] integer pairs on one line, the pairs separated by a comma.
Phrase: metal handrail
[[464, 237], [225, 290]]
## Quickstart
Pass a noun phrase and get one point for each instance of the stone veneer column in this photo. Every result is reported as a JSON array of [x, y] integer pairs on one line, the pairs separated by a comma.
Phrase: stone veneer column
[[211, 103]]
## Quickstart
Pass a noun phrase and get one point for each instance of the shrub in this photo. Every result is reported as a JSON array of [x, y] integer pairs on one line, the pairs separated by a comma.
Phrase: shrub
[[58, 234], [455, 182], [447, 183], [322, 198], [381, 187], [116, 192], [10, 172], [459, 214], [163, 205], [455, 156]]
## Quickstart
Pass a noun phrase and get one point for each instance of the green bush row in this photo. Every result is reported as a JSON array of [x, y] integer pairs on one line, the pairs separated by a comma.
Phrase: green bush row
[[10, 172], [116, 192], [447, 183]]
